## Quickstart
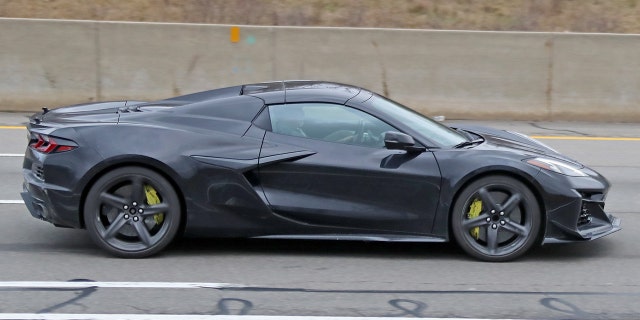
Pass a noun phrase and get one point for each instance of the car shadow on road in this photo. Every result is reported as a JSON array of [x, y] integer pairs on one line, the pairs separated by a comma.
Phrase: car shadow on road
[[373, 249], [572, 251], [69, 240], [362, 249]]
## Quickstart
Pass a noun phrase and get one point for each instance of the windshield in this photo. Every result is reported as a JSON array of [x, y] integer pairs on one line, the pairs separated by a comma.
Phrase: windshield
[[431, 129]]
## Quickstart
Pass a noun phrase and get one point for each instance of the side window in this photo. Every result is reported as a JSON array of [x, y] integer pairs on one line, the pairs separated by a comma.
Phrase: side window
[[329, 122]]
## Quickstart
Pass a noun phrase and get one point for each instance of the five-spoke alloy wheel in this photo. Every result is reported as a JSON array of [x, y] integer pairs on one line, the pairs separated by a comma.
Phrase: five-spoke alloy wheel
[[496, 218], [132, 212]]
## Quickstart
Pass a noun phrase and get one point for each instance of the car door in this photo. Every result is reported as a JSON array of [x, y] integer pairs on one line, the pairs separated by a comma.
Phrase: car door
[[338, 173]]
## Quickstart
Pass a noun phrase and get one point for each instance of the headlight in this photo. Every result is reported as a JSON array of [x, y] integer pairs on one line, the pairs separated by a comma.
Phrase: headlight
[[556, 166]]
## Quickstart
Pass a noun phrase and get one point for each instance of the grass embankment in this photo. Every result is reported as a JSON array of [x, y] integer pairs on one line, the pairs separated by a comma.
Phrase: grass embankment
[[610, 16]]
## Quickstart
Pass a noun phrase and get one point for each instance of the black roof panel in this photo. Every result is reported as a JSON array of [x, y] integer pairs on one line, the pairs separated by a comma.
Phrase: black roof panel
[[250, 89]]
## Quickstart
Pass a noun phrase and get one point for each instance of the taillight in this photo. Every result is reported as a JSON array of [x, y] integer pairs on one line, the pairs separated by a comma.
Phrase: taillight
[[46, 144]]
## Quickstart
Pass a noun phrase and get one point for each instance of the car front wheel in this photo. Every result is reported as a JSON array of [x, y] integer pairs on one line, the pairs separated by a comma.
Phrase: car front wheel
[[496, 218], [132, 212]]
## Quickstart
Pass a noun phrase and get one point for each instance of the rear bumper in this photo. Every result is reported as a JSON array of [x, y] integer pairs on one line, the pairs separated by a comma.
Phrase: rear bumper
[[36, 207], [50, 203]]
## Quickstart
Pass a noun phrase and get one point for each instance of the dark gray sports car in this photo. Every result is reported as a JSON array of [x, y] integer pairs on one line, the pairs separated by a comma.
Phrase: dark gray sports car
[[303, 160]]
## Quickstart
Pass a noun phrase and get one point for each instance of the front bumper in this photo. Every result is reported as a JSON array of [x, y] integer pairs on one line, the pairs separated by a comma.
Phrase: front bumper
[[577, 213], [592, 223]]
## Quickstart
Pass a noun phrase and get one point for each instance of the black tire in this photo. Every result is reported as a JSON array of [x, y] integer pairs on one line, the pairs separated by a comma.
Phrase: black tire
[[504, 226], [124, 218]]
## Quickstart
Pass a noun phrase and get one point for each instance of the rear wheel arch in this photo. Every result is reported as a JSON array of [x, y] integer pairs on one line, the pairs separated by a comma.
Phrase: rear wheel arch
[[142, 162], [133, 211]]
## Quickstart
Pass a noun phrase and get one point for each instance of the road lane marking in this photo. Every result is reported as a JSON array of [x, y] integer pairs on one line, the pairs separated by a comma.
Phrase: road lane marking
[[103, 284], [94, 316], [585, 138], [11, 155], [11, 202], [13, 127]]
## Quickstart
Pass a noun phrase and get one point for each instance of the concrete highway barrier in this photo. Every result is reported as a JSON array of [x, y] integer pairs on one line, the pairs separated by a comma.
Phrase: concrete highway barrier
[[458, 74]]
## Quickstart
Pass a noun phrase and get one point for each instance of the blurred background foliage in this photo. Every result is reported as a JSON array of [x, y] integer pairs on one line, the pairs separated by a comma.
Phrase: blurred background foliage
[[607, 16]]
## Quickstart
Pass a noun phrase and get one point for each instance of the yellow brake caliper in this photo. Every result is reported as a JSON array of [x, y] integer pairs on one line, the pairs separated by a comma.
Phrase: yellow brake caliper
[[152, 198], [474, 210]]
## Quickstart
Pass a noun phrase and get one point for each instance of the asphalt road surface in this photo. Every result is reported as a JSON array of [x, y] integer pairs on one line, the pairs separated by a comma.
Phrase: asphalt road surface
[[47, 272]]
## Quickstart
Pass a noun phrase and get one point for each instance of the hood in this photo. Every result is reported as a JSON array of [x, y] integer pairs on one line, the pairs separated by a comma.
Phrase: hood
[[517, 141], [86, 112]]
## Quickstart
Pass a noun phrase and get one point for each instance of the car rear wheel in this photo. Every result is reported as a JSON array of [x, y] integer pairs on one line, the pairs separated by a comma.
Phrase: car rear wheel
[[132, 212], [496, 218]]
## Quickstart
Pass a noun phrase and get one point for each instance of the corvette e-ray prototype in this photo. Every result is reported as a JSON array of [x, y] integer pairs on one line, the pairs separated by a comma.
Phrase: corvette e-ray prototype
[[301, 160]]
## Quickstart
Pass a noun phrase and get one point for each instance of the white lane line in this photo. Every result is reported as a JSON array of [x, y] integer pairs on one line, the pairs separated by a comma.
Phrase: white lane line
[[94, 316], [164, 285], [103, 284], [11, 202], [12, 155]]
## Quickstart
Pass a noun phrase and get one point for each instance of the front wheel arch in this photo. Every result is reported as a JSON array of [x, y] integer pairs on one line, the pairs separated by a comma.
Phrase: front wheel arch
[[522, 178], [529, 185]]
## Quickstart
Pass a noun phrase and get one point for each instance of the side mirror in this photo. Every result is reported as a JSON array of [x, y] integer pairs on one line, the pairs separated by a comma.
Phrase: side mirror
[[400, 141]]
